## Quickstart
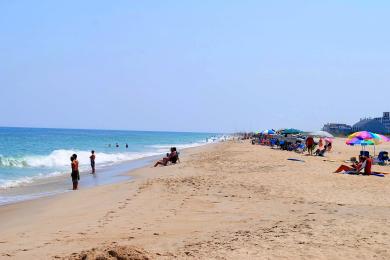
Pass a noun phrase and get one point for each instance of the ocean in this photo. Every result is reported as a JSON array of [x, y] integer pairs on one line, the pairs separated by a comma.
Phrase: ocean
[[32, 154]]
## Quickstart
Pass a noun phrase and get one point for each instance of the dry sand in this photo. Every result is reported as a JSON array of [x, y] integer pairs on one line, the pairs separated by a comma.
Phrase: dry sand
[[223, 201]]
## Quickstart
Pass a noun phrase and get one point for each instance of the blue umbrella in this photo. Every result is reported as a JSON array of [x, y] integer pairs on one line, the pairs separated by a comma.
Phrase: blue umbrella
[[268, 132]]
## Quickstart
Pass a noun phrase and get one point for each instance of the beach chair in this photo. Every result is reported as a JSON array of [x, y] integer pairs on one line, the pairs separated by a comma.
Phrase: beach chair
[[383, 158], [301, 148]]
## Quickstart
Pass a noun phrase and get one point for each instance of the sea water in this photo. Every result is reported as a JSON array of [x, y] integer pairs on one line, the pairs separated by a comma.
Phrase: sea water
[[32, 154]]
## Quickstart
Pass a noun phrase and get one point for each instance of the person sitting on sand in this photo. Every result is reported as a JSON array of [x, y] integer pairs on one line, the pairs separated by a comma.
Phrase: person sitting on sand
[[171, 157], [365, 163], [321, 152], [75, 171], [329, 145], [368, 166]]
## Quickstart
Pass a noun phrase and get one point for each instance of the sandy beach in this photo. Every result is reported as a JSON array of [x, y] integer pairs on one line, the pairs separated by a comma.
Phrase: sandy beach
[[229, 200]]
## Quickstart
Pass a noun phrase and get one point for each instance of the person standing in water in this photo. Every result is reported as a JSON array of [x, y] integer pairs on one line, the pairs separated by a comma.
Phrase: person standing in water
[[92, 158], [127, 146], [75, 171]]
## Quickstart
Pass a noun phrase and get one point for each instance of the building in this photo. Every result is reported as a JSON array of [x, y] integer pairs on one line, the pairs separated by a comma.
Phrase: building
[[370, 125], [379, 125], [337, 129], [385, 120]]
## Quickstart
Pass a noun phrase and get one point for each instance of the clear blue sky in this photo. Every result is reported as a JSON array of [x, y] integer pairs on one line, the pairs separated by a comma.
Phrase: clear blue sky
[[193, 65]]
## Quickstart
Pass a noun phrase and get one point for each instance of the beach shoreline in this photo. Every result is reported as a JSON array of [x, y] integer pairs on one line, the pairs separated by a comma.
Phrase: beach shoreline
[[230, 200], [55, 185]]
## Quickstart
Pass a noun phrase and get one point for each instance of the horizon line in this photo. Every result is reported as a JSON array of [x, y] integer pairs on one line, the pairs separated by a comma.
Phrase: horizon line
[[96, 129]]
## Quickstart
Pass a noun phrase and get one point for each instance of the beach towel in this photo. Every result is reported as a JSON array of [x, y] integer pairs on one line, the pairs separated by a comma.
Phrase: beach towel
[[295, 160], [355, 173]]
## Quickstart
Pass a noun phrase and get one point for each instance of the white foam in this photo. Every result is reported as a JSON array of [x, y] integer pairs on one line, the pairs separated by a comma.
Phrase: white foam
[[61, 159], [26, 180], [58, 161]]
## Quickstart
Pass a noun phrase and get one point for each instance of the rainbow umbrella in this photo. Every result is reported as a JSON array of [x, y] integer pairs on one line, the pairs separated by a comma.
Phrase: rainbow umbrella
[[365, 135], [357, 141], [364, 138]]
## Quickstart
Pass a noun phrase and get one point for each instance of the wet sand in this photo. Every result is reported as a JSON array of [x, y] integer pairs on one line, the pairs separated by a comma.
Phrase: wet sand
[[223, 201]]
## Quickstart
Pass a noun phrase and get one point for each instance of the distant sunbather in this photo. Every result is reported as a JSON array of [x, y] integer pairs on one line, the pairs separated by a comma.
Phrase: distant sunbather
[[171, 157]]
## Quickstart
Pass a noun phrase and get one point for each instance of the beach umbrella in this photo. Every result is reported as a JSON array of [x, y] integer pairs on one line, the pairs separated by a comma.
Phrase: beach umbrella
[[357, 141], [365, 135], [321, 134], [269, 132], [329, 140], [364, 138], [291, 131], [363, 143]]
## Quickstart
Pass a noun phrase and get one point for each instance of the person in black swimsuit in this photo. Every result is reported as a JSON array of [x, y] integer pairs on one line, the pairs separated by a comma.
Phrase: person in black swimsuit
[[75, 171], [92, 158], [171, 157]]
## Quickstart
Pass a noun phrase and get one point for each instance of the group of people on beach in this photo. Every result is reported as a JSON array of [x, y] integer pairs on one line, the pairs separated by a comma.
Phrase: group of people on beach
[[171, 157], [322, 148], [362, 165], [297, 143]]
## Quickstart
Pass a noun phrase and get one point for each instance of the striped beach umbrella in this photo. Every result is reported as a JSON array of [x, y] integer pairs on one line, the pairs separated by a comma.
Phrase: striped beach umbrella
[[365, 138]]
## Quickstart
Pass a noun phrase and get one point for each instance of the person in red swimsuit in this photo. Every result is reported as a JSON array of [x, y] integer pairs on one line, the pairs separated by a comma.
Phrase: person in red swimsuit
[[365, 163], [368, 166], [310, 145]]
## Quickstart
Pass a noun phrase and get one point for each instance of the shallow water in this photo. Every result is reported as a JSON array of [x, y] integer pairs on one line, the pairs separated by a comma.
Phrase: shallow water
[[31, 157]]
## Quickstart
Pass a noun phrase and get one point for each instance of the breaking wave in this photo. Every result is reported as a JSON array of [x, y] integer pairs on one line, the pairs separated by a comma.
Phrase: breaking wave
[[61, 158]]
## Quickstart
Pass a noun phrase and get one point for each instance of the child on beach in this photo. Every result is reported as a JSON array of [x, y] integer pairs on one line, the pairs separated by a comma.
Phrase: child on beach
[[75, 171], [92, 158]]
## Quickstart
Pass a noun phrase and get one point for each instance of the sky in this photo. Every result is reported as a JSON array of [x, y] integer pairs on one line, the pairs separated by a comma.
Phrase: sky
[[210, 66]]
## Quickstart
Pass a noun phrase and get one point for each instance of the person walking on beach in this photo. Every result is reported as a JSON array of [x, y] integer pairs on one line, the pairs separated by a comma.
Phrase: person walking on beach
[[92, 158], [75, 171]]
